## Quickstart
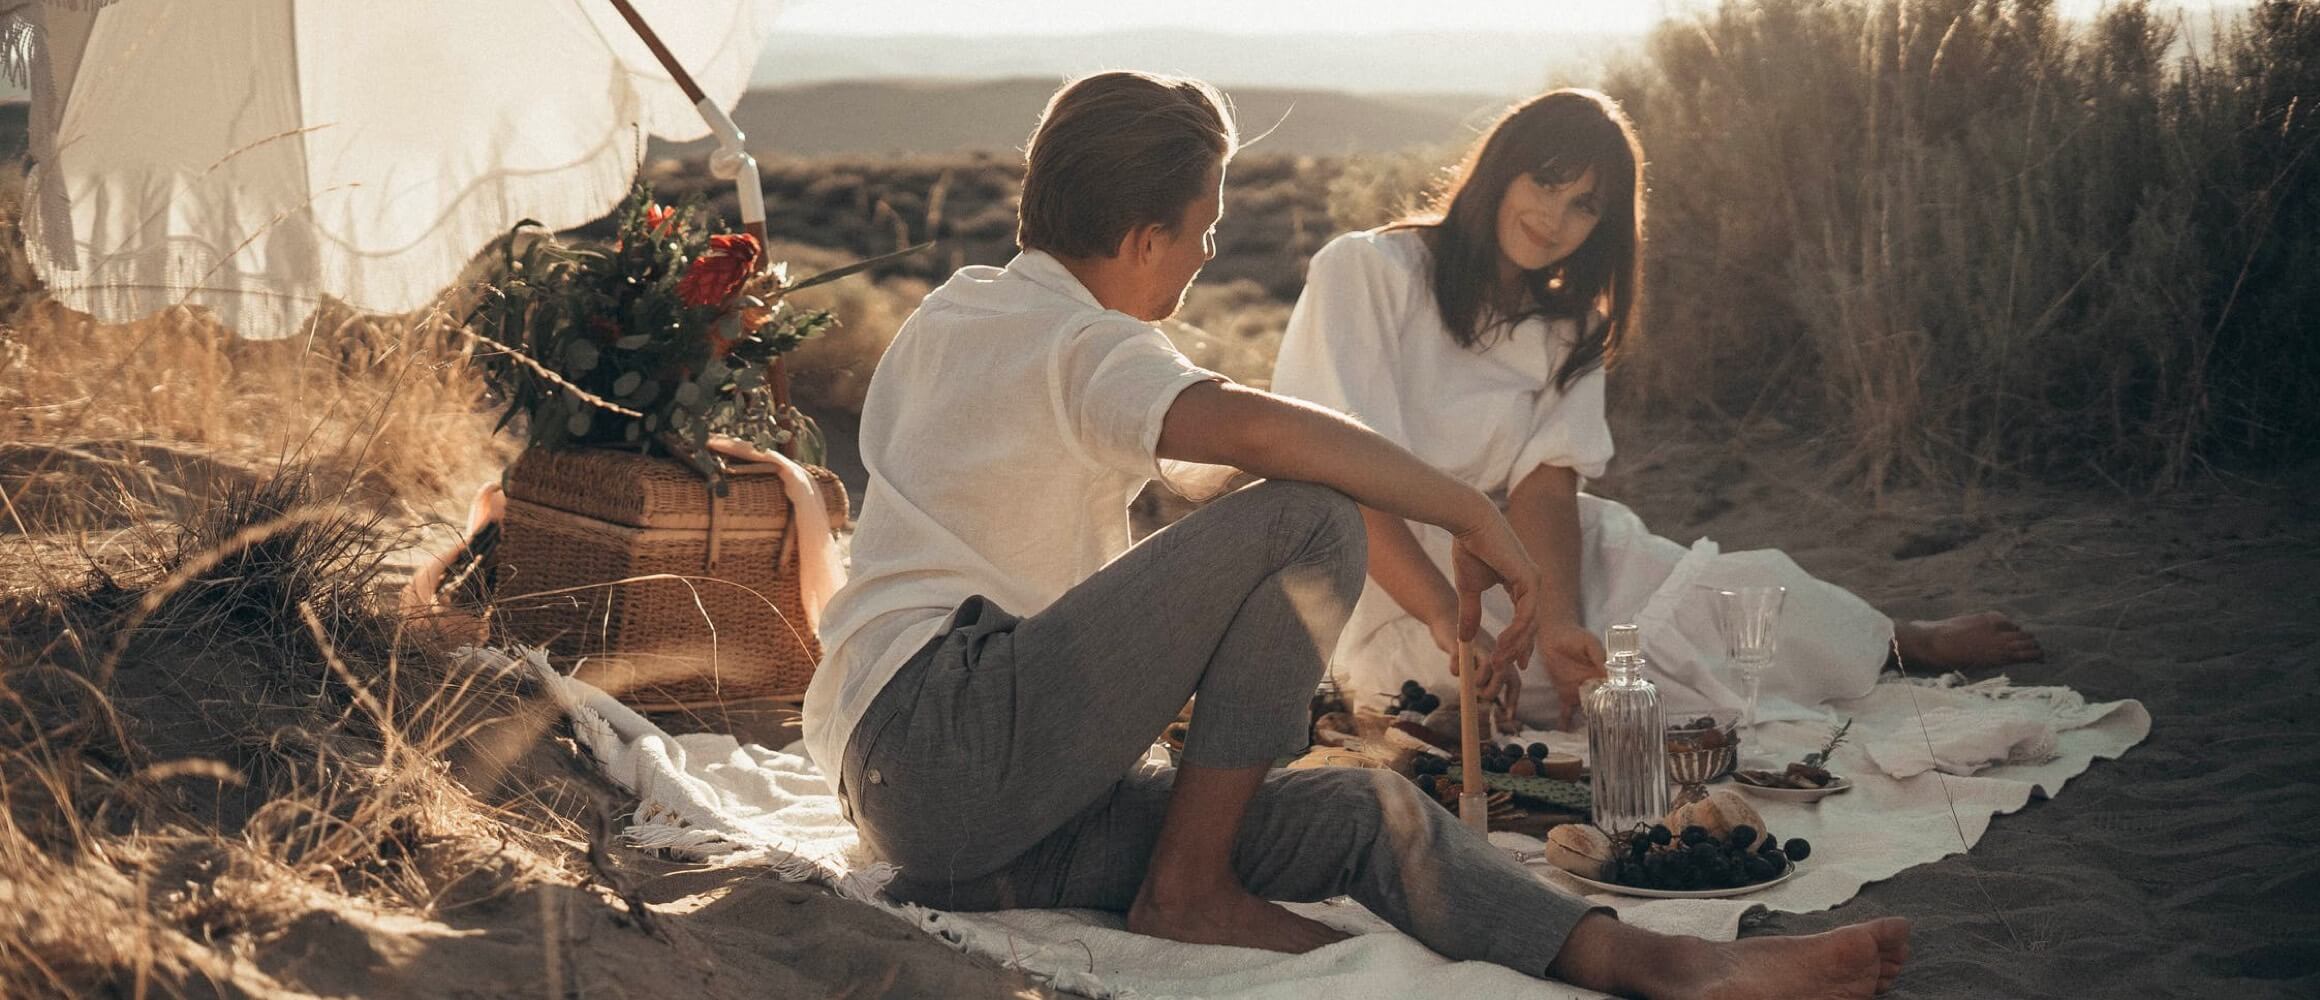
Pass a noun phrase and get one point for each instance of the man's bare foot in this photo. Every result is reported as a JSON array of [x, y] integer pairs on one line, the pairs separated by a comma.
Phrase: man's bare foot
[[1857, 961], [1228, 916], [1966, 642]]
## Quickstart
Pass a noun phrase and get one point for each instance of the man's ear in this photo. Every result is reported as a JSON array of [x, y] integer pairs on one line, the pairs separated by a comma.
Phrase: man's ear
[[1141, 244]]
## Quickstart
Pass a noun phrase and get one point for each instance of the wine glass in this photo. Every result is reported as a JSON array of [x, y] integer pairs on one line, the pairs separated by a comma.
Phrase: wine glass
[[1750, 618]]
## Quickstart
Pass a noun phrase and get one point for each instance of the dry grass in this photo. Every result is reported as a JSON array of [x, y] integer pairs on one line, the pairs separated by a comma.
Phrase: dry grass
[[832, 372], [218, 730], [208, 724], [1970, 240], [386, 406], [1233, 328]]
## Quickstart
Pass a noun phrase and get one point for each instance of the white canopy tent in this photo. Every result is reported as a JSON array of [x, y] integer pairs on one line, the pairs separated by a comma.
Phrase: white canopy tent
[[253, 157]]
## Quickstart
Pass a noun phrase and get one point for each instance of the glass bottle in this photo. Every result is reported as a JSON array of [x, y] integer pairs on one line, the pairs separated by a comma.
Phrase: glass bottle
[[1626, 739]]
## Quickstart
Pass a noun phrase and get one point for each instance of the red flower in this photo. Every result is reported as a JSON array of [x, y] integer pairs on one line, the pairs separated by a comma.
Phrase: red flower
[[657, 216], [719, 272]]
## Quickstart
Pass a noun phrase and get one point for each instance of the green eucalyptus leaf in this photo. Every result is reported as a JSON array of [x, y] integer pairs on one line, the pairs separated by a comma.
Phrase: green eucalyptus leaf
[[689, 394], [579, 422], [627, 384], [633, 341], [582, 355]]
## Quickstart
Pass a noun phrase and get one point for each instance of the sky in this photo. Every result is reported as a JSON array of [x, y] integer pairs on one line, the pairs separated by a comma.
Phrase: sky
[[1254, 17], [1071, 17]]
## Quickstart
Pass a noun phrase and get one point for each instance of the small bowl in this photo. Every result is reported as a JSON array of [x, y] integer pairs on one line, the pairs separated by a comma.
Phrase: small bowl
[[1692, 770], [1698, 755]]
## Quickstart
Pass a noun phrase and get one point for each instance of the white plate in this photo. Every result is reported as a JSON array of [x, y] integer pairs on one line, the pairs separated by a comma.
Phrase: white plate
[[1629, 890], [1795, 794]]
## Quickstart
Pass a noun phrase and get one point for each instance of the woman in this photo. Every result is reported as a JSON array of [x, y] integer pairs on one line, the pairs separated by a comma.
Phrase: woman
[[1476, 336]]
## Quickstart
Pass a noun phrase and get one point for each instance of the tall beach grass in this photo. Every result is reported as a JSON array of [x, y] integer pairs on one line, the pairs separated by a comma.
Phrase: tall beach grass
[[1966, 239]]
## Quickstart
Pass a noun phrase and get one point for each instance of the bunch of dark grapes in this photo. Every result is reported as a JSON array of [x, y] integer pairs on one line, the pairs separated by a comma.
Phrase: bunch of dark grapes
[[1693, 859], [1428, 770], [1513, 758], [1413, 699]]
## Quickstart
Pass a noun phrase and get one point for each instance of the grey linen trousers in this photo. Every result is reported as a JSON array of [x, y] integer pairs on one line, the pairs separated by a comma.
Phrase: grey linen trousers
[[1000, 767]]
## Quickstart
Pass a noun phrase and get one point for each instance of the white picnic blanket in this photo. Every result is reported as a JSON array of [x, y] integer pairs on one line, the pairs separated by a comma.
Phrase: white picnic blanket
[[706, 797]]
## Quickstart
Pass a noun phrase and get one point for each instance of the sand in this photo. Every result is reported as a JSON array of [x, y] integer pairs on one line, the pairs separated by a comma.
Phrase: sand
[[2186, 868]]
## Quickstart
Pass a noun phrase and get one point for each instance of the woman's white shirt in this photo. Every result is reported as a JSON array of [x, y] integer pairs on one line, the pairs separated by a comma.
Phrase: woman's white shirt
[[1367, 338]]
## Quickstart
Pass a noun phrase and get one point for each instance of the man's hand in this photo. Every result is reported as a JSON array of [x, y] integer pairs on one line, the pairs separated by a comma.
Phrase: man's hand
[[1500, 679], [1571, 656]]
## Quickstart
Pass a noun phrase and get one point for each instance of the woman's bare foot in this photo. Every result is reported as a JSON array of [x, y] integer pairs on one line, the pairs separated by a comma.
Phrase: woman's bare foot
[[1229, 916], [1966, 642], [1857, 961]]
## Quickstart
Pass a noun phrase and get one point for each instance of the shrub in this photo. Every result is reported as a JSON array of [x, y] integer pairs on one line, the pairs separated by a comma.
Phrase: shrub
[[1976, 240]]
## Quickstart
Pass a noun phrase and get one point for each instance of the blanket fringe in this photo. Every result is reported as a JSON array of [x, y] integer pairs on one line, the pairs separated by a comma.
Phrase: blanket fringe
[[658, 826], [1009, 952]]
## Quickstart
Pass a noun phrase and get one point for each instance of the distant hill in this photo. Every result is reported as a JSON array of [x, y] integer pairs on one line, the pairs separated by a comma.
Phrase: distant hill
[[865, 117], [1507, 64], [884, 117]]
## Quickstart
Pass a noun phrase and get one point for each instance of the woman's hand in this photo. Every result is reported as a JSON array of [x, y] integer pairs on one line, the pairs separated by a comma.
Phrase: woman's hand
[[1500, 679], [1571, 656]]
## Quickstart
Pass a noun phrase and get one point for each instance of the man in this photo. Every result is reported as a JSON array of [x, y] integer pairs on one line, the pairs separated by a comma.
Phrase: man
[[1001, 658]]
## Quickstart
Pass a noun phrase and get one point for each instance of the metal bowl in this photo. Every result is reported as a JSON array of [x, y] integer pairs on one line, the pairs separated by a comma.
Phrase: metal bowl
[[1697, 756], [1692, 770]]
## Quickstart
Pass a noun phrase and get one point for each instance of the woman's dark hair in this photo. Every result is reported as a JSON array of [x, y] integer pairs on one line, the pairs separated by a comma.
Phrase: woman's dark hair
[[1555, 138], [1115, 151]]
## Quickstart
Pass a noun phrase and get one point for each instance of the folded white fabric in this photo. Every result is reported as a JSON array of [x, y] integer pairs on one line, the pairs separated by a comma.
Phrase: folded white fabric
[[1960, 728]]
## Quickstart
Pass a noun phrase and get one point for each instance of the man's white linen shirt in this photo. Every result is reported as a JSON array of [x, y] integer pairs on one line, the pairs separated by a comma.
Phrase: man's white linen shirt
[[1005, 432]]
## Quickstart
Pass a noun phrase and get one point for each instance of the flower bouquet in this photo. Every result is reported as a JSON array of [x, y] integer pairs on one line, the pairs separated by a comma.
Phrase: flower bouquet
[[667, 334]]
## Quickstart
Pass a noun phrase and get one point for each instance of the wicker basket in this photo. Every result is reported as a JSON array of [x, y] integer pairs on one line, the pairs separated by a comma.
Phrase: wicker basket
[[730, 626]]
